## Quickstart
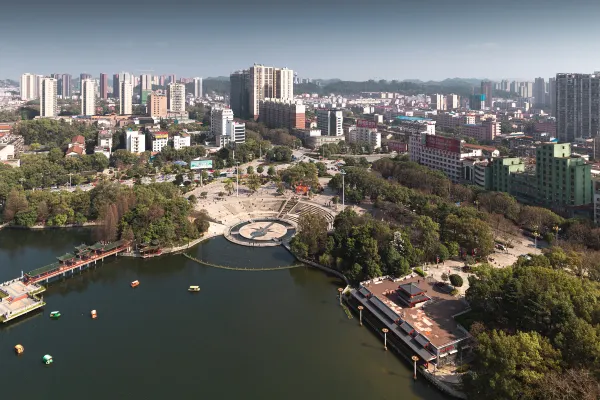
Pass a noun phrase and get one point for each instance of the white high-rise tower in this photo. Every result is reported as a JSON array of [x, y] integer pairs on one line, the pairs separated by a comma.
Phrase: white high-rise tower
[[176, 98], [197, 88], [88, 97], [28, 87], [48, 90], [125, 95]]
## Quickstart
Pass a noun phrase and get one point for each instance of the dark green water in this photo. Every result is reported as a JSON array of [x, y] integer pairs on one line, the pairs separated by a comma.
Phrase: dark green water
[[246, 335]]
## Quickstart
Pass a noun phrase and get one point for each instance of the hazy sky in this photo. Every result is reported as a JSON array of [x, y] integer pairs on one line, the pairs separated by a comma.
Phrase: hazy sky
[[352, 39]]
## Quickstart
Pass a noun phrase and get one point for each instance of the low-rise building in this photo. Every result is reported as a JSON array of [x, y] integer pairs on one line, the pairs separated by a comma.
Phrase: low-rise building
[[235, 132], [181, 140], [159, 140], [365, 132], [315, 142], [135, 141]]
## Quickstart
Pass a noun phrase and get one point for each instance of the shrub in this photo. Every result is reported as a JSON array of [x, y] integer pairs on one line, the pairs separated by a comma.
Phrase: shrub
[[419, 271], [456, 280], [454, 292]]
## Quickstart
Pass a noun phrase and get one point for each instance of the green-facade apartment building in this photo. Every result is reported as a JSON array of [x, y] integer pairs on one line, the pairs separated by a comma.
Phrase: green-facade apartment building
[[558, 180]]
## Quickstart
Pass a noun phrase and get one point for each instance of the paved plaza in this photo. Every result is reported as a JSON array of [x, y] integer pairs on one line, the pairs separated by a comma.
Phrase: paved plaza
[[264, 230]]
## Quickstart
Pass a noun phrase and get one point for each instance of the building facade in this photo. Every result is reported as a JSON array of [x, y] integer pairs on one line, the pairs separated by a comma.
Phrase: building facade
[[182, 140], [197, 88], [176, 98], [330, 122], [564, 180], [135, 142], [157, 105], [577, 106], [159, 140], [486, 90], [29, 91], [365, 136], [88, 97], [288, 114], [218, 120], [258, 83], [125, 98], [103, 89], [48, 93]]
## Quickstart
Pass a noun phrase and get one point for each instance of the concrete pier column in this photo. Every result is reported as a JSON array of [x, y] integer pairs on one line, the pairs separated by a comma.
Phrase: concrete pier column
[[415, 359], [385, 331], [360, 308], [340, 290]]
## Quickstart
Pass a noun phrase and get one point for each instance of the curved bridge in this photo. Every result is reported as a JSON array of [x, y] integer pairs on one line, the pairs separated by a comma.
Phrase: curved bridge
[[241, 269]]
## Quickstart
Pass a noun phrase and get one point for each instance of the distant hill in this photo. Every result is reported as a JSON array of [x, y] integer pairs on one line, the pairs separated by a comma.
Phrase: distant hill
[[8, 83]]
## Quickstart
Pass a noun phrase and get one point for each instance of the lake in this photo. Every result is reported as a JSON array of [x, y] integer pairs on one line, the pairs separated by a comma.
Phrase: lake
[[245, 335]]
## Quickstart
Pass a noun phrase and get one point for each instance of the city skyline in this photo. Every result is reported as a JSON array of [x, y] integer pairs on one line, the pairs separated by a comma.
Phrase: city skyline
[[352, 41]]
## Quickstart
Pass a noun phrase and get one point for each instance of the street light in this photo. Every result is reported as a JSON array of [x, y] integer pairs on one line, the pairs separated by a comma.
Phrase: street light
[[343, 189], [360, 308], [556, 229], [340, 290], [535, 236], [237, 176], [385, 331]]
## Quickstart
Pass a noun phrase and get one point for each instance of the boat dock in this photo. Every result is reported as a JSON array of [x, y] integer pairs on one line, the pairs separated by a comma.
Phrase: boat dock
[[19, 296]]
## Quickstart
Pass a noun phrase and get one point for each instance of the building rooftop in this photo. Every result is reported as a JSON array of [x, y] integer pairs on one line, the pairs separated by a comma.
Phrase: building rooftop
[[434, 320]]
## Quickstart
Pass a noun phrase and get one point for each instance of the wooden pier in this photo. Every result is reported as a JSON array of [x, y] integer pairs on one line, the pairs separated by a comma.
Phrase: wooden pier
[[19, 296], [84, 256]]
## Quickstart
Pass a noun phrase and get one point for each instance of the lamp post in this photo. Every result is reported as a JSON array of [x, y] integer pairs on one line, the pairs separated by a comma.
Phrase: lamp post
[[360, 308], [237, 176], [535, 236], [556, 229], [385, 331], [340, 290], [415, 359], [343, 189]]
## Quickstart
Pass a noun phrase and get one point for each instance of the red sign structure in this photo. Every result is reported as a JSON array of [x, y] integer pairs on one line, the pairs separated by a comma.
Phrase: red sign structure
[[397, 146], [443, 143], [363, 123]]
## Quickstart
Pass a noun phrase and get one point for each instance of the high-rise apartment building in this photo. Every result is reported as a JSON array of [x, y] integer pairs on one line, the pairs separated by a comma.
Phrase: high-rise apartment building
[[486, 89], [125, 97], [577, 106], [145, 87], [146, 82], [84, 76], [283, 81], [552, 96], [330, 122], [539, 92], [258, 83], [64, 85], [438, 102], [526, 89], [197, 88], [452, 102], [276, 113], [28, 87], [48, 92], [103, 90], [116, 87], [239, 96], [157, 106], [88, 97], [176, 98], [172, 78]]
